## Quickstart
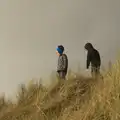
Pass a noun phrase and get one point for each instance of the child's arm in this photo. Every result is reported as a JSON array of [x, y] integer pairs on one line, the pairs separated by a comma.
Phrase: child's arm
[[60, 64], [88, 60], [65, 60]]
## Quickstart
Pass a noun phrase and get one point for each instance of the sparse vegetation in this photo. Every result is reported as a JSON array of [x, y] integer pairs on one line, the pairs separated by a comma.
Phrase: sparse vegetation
[[77, 98]]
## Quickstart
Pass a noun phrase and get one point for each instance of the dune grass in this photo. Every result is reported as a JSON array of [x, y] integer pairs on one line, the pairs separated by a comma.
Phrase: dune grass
[[79, 98]]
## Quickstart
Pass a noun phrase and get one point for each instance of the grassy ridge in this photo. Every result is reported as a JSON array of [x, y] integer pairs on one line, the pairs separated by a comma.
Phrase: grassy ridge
[[77, 98]]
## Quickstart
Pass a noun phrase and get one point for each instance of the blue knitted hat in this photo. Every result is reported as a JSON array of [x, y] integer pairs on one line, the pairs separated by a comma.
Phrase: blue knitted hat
[[60, 49]]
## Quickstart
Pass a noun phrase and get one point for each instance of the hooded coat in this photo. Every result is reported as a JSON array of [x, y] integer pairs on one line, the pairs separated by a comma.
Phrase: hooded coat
[[93, 56]]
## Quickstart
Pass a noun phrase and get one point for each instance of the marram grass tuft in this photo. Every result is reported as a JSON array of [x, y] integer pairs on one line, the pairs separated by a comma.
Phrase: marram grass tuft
[[78, 98]]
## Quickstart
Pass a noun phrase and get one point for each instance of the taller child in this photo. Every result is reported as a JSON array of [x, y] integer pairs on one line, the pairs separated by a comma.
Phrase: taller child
[[62, 62], [93, 57]]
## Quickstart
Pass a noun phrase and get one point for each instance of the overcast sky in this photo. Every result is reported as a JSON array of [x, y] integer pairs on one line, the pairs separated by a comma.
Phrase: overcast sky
[[30, 30]]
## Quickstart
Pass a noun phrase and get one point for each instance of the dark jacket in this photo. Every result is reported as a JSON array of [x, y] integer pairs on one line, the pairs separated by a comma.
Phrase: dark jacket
[[62, 63], [93, 56]]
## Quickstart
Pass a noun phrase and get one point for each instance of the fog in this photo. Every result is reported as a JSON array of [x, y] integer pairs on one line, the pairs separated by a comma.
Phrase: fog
[[30, 30]]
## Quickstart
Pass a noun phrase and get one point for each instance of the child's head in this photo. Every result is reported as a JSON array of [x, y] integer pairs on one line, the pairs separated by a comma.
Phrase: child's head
[[59, 50], [88, 46]]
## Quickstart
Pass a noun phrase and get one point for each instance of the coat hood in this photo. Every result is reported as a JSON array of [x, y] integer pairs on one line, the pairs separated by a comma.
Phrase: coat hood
[[88, 46]]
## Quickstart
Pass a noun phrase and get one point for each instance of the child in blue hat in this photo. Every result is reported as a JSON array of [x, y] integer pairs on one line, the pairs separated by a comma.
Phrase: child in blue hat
[[62, 62]]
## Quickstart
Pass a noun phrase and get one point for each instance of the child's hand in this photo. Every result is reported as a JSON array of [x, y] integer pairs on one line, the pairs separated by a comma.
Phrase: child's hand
[[87, 70]]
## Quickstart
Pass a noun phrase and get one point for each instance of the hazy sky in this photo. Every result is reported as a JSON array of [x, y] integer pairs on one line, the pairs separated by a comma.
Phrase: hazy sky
[[30, 30]]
